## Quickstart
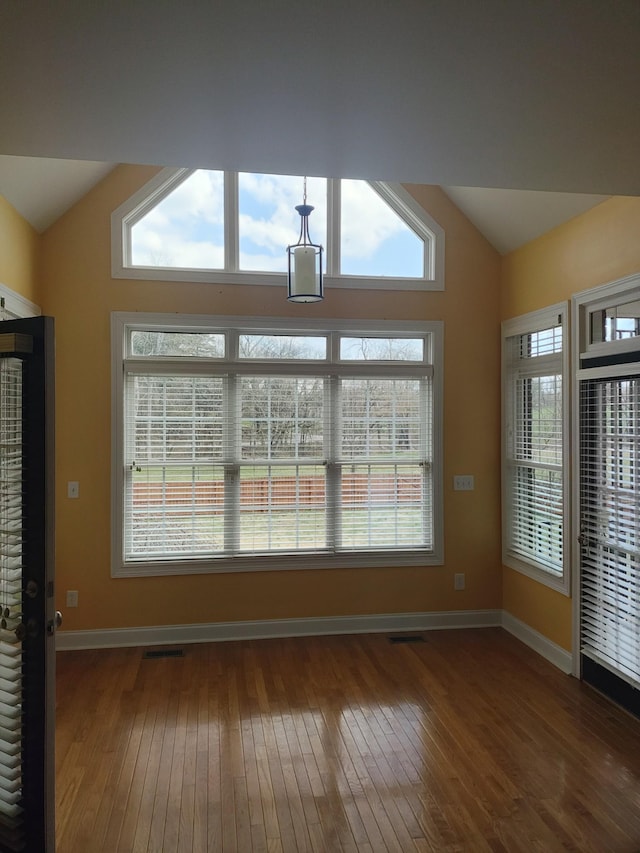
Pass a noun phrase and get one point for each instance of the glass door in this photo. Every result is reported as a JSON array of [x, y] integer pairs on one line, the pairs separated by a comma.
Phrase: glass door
[[27, 618]]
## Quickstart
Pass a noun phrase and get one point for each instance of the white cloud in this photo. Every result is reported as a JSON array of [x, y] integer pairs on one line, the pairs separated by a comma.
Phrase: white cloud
[[263, 262], [366, 220], [175, 250], [177, 231], [281, 195], [185, 228], [199, 197]]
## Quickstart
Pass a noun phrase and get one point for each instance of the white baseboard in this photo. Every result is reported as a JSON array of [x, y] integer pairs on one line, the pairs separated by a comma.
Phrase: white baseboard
[[259, 630], [538, 642], [322, 626]]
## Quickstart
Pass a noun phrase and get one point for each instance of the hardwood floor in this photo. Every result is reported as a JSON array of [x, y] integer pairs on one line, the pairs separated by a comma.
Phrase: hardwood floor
[[466, 742]]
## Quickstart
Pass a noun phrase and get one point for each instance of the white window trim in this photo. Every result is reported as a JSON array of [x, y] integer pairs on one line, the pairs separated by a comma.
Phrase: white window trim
[[394, 194], [122, 321], [525, 324], [17, 305], [605, 296]]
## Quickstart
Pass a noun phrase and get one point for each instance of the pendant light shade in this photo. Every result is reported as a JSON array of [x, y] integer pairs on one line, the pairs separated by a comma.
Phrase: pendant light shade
[[304, 270]]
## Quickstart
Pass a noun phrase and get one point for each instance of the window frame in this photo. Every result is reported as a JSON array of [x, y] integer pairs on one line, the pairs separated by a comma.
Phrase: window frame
[[160, 186], [531, 323], [123, 322]]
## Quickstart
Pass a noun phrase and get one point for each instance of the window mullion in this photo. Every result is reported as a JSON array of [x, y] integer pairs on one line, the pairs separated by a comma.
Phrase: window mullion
[[232, 470], [333, 228], [426, 459], [231, 236], [333, 428]]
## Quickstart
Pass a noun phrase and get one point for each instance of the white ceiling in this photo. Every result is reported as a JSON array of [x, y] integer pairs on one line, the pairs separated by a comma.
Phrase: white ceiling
[[511, 218], [42, 189], [508, 94]]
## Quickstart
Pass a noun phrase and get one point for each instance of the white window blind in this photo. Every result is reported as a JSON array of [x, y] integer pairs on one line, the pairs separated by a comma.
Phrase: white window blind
[[534, 462], [246, 445], [10, 592], [384, 462], [174, 432], [610, 524]]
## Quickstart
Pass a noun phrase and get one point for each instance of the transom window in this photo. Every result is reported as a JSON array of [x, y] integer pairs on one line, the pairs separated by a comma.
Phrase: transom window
[[244, 447], [199, 225], [535, 447]]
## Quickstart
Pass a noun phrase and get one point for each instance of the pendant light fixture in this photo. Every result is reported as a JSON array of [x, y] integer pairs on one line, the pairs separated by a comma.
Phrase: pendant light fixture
[[304, 276]]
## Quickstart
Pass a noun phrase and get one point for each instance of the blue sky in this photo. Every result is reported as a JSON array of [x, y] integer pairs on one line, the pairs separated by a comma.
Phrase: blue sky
[[186, 229]]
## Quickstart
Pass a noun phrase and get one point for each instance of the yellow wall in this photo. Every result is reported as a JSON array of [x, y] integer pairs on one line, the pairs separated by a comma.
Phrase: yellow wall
[[80, 293], [19, 253], [600, 246], [76, 288]]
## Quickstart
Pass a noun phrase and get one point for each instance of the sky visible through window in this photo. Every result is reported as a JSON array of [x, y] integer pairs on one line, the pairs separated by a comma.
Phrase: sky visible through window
[[269, 222], [374, 239], [186, 229]]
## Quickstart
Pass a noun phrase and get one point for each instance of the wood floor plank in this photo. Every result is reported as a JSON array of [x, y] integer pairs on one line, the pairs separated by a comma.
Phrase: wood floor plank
[[466, 742], [201, 763], [143, 724], [187, 811], [159, 710]]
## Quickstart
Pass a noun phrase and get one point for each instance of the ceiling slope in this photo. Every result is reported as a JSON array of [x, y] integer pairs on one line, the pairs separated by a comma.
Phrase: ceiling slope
[[41, 189], [501, 93]]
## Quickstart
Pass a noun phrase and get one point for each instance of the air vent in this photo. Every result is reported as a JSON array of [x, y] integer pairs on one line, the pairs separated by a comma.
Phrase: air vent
[[152, 654], [406, 638]]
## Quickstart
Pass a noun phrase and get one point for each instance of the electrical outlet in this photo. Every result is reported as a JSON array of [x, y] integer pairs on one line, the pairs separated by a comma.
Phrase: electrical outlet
[[463, 483], [72, 598], [458, 580], [73, 489]]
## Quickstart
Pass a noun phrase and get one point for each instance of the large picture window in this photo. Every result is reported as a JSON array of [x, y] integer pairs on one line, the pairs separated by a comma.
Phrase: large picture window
[[535, 424], [245, 447]]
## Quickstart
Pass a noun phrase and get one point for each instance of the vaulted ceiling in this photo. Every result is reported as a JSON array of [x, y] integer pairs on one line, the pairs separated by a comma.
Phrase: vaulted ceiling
[[499, 94]]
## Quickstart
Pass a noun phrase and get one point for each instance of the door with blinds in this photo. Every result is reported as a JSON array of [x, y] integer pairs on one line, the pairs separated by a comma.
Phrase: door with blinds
[[609, 499], [27, 618]]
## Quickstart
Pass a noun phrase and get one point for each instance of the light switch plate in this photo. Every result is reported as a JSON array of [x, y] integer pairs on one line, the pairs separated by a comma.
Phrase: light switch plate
[[463, 483]]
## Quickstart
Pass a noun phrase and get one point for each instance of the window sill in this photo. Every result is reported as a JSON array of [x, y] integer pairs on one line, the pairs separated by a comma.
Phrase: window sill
[[558, 582], [140, 273], [276, 563]]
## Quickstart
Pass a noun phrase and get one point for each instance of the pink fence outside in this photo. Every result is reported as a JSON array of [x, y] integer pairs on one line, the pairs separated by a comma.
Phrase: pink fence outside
[[356, 489]]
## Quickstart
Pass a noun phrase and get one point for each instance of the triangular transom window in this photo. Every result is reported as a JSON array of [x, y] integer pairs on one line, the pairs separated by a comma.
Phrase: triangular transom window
[[199, 225]]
